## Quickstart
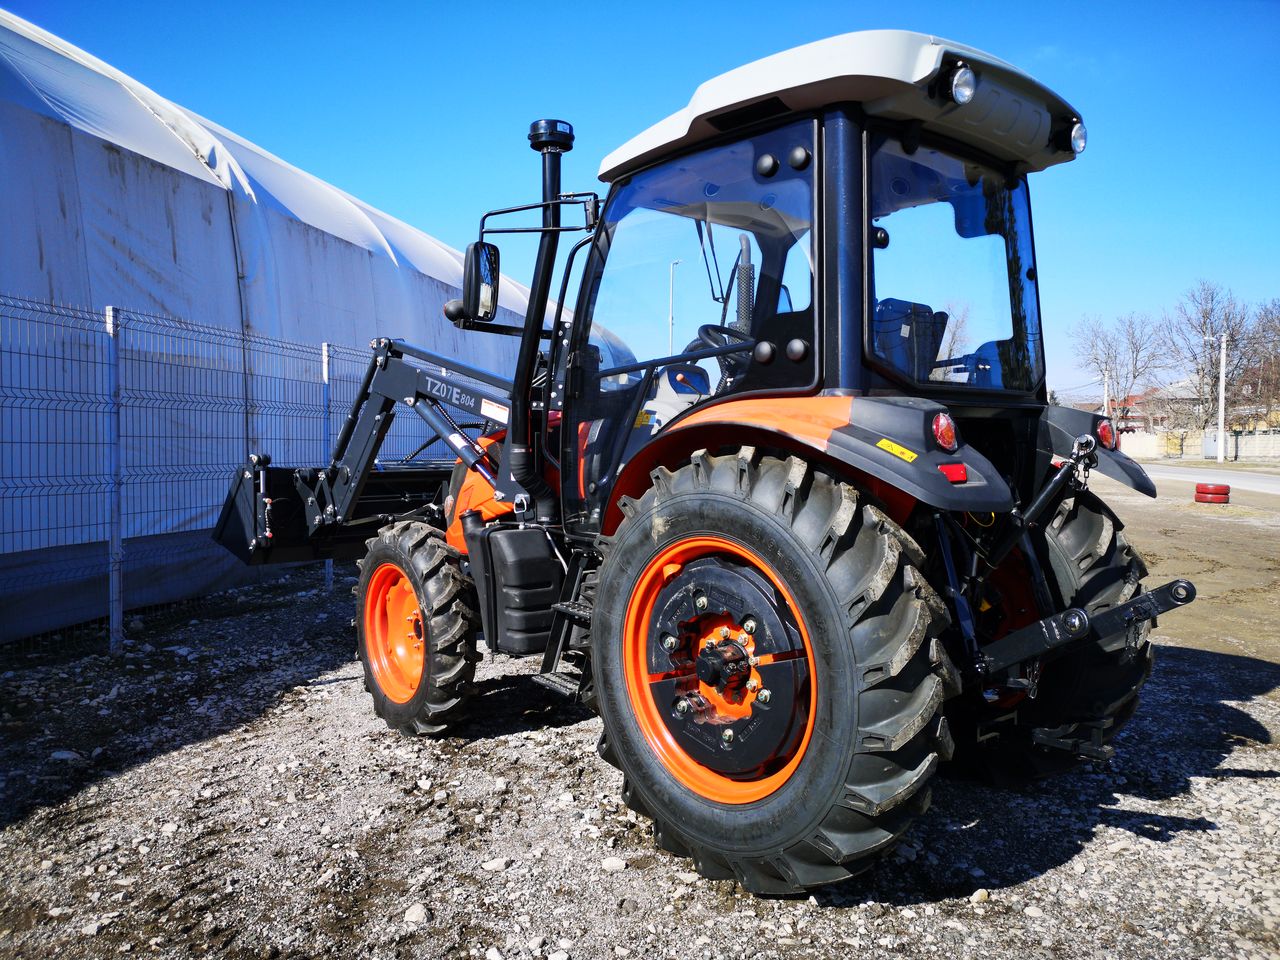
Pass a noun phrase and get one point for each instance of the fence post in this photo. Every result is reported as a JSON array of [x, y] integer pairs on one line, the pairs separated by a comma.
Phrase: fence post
[[115, 546], [325, 441]]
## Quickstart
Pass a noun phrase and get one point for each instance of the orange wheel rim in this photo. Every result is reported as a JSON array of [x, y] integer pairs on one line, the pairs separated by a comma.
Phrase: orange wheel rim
[[728, 707], [394, 633]]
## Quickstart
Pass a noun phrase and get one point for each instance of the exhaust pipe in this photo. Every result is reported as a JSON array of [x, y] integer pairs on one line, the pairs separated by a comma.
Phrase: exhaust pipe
[[551, 138]]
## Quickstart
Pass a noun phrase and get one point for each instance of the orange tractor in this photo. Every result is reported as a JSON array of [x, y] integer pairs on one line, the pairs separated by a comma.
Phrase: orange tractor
[[796, 518]]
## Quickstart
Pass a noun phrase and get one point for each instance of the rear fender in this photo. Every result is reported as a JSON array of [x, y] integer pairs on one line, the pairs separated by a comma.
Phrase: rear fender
[[884, 443], [1059, 427]]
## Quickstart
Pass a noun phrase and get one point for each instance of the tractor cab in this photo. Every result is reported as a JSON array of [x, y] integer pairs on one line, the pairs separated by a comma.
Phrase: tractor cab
[[847, 219]]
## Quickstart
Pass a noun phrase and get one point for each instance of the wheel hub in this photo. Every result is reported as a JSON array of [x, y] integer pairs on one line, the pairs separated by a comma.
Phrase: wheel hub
[[722, 665], [733, 687]]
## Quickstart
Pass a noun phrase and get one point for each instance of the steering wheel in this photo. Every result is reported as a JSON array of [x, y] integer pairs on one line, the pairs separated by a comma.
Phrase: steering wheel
[[718, 335]]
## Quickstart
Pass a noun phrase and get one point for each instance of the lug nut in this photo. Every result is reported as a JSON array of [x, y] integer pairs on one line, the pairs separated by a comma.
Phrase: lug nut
[[724, 633], [749, 625], [764, 695], [752, 685], [727, 736], [700, 601], [683, 707], [669, 642]]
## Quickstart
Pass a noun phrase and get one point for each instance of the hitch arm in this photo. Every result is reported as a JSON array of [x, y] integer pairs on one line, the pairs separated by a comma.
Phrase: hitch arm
[[1071, 627]]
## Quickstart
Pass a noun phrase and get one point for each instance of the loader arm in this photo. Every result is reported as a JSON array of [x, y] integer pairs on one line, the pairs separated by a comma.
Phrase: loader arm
[[285, 514]]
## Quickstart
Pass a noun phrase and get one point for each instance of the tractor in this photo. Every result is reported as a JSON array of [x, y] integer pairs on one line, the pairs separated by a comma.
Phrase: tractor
[[777, 491]]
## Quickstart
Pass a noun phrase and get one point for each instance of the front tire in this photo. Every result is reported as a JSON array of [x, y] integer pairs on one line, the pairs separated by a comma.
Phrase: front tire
[[415, 628], [801, 590]]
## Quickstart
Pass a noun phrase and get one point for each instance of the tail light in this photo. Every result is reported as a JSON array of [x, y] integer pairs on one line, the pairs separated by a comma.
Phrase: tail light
[[1106, 432], [944, 432]]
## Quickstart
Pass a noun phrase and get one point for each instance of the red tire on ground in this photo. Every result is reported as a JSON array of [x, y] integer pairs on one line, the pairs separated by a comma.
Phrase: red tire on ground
[[1212, 498], [1221, 488]]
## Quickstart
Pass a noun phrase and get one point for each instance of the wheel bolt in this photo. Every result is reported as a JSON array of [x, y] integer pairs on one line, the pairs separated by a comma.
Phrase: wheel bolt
[[669, 642], [683, 707], [752, 685], [700, 601], [727, 736], [724, 633], [749, 625], [764, 695]]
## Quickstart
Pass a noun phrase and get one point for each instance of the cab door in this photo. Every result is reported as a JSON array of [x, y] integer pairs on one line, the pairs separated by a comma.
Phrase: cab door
[[701, 273]]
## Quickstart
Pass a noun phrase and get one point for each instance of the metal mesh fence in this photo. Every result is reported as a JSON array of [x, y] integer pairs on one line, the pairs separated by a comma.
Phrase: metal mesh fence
[[128, 425], [54, 392]]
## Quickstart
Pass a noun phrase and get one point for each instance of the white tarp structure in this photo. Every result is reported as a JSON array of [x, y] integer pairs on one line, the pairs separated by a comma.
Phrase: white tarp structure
[[111, 195], [114, 195]]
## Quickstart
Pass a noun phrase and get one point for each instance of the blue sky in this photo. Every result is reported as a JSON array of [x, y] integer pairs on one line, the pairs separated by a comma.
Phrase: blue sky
[[422, 110]]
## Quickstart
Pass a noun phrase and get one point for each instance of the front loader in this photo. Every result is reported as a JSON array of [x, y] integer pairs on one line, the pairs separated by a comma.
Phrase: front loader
[[778, 490]]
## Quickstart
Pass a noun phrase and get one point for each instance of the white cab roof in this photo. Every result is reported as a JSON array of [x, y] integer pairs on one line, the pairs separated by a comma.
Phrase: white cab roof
[[888, 72]]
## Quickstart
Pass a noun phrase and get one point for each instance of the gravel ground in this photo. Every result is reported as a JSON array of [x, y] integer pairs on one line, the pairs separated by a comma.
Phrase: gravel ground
[[225, 790]]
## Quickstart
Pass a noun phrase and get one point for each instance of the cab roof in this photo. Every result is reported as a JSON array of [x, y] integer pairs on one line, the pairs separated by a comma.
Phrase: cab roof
[[891, 73]]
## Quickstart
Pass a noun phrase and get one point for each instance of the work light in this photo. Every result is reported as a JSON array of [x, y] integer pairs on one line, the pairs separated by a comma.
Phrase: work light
[[964, 84], [1079, 137]]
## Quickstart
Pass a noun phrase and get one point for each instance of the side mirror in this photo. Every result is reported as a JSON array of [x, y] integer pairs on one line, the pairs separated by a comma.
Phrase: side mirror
[[480, 281]]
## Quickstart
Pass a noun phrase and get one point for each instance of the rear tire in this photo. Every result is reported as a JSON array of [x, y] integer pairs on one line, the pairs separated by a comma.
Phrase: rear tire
[[415, 628], [1094, 567], [846, 579]]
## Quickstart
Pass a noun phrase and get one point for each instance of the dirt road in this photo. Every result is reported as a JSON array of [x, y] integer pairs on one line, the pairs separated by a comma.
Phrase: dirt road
[[224, 790]]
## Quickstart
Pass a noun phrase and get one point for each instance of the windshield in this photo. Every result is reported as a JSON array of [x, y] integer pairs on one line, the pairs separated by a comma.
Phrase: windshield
[[953, 272]]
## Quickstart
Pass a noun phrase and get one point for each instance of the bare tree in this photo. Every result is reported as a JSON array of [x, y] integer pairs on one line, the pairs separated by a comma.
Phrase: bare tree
[[1192, 336], [1126, 352], [1262, 362], [955, 341]]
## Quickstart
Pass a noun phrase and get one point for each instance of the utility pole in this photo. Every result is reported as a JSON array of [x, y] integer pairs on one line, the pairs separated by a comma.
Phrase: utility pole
[[1222, 400], [671, 309], [1106, 392]]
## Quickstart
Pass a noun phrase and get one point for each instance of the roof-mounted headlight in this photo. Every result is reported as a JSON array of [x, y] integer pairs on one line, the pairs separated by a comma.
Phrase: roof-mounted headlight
[[963, 84], [1079, 137]]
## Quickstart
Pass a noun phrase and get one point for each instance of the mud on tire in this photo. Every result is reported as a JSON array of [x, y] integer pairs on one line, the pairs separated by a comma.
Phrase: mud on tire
[[881, 674], [430, 613]]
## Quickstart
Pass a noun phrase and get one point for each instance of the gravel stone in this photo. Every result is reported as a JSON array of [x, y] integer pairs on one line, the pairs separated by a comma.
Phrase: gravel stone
[[1168, 852]]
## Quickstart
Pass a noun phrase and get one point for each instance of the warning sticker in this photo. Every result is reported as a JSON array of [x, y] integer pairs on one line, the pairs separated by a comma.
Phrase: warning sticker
[[493, 411], [897, 449]]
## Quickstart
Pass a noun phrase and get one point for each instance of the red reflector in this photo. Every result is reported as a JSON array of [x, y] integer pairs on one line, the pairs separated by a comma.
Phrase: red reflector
[[955, 472]]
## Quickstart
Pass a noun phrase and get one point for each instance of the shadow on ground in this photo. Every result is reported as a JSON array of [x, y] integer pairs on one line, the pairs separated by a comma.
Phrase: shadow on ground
[[66, 725], [978, 836], [67, 722]]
